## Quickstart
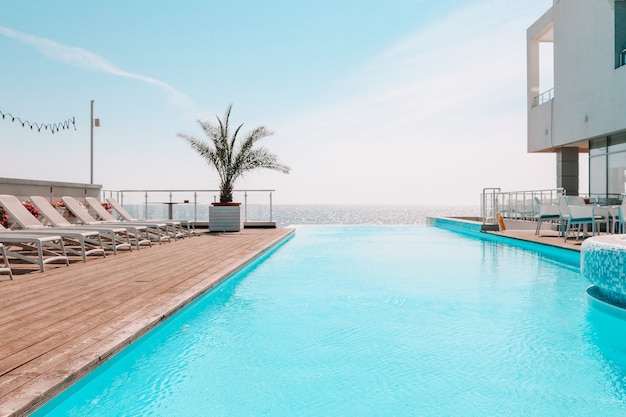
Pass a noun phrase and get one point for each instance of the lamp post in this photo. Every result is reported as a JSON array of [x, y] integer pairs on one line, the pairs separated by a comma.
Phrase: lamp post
[[94, 123]]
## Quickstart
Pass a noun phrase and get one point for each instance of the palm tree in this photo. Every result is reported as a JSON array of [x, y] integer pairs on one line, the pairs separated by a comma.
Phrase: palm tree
[[230, 159]]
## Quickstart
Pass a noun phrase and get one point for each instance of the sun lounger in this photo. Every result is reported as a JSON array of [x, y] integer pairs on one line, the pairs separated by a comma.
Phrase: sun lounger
[[6, 268], [180, 225], [77, 242], [139, 233], [157, 230], [113, 238], [36, 249]]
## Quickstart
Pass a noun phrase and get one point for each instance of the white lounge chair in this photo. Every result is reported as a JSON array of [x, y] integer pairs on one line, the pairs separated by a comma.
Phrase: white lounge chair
[[139, 233], [36, 249], [179, 226], [158, 230], [77, 242], [6, 268], [113, 238]]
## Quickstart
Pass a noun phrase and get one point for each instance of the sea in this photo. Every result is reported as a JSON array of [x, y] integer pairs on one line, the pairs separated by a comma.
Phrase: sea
[[323, 214]]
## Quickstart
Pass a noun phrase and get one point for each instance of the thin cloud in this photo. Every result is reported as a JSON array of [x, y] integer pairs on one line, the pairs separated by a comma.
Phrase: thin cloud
[[425, 114], [82, 58]]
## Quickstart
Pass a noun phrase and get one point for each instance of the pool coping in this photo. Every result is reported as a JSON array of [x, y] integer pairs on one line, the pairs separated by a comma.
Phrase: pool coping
[[548, 242]]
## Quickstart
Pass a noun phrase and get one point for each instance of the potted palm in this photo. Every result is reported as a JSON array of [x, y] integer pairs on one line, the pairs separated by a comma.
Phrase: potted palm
[[232, 159]]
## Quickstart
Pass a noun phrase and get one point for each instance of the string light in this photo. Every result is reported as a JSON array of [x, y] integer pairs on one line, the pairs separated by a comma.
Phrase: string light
[[52, 127]]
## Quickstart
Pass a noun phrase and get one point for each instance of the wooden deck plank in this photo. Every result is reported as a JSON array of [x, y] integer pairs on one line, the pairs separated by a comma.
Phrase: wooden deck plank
[[546, 237], [58, 325]]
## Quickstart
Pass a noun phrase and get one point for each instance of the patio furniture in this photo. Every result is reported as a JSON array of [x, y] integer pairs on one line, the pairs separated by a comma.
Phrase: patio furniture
[[139, 233], [6, 268], [582, 215], [157, 230], [77, 242], [36, 249], [113, 238], [547, 212], [176, 224]]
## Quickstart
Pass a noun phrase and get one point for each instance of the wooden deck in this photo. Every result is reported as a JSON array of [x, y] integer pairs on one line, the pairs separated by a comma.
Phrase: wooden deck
[[58, 325], [546, 237]]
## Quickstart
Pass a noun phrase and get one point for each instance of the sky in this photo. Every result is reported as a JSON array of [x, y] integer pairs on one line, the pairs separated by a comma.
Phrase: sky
[[397, 102]]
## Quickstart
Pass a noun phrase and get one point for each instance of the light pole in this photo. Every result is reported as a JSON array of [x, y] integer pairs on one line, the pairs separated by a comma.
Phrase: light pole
[[94, 123]]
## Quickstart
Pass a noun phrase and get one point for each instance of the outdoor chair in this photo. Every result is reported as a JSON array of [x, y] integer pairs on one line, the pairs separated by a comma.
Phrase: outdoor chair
[[581, 215], [177, 225], [621, 212], [6, 268], [603, 214], [113, 238], [618, 212], [564, 213], [36, 249], [77, 242], [139, 233], [158, 231], [548, 212]]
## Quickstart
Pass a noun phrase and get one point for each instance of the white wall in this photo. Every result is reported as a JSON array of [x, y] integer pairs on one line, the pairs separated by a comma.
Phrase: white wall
[[590, 94]]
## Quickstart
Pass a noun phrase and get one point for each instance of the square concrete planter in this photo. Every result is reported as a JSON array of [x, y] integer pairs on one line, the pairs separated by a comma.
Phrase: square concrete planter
[[226, 217]]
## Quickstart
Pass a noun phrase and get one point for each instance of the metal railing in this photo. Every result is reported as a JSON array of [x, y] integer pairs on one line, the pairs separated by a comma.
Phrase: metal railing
[[489, 205], [192, 205], [517, 205], [543, 97]]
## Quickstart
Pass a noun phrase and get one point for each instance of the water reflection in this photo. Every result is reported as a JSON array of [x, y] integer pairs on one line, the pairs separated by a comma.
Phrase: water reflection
[[606, 337]]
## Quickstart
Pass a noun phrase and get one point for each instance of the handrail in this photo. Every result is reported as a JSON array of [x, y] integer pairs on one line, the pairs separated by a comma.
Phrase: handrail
[[489, 205], [155, 197], [543, 97], [518, 205]]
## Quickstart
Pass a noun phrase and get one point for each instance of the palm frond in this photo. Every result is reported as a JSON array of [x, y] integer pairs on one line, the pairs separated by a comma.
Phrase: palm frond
[[229, 160]]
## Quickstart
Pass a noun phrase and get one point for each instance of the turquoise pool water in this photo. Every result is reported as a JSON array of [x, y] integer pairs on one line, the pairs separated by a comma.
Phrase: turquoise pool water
[[375, 321]]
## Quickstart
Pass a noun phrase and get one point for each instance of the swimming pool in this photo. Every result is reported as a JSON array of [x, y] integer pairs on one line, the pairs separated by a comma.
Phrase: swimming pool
[[359, 321]]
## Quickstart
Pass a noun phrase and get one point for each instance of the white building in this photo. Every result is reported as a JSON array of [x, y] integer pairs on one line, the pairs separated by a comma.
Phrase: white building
[[586, 109]]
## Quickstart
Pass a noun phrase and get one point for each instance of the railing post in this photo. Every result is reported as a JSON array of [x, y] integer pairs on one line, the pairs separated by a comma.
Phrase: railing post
[[195, 207], [271, 217], [245, 206], [145, 210]]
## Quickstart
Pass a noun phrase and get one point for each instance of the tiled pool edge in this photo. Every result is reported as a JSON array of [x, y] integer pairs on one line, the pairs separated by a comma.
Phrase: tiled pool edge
[[603, 262], [474, 229]]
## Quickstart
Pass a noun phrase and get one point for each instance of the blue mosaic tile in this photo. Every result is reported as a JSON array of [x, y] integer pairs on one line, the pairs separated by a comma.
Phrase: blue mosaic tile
[[603, 263]]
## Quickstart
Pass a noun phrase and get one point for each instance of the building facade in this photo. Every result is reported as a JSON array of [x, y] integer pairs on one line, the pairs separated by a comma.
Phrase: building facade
[[585, 111]]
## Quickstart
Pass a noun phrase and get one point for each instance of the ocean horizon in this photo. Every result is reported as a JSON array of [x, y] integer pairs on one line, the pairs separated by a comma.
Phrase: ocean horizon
[[325, 214]]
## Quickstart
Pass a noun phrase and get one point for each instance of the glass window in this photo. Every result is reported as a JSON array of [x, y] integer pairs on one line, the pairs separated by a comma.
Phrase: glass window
[[597, 147], [617, 143], [617, 169], [597, 175]]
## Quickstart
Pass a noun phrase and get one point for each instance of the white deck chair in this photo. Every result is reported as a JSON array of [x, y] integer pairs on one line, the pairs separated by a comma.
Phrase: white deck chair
[[6, 268], [139, 233], [180, 226], [113, 238], [158, 230], [77, 242], [36, 249]]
